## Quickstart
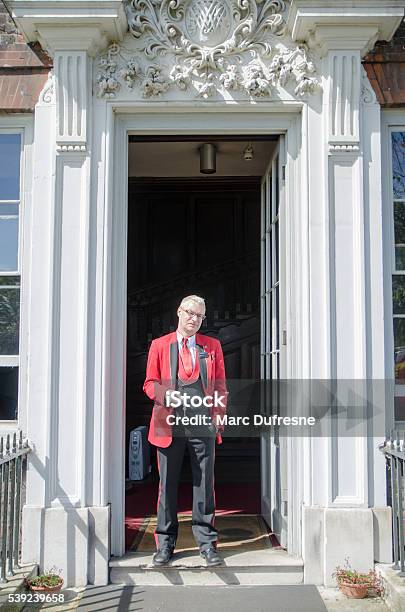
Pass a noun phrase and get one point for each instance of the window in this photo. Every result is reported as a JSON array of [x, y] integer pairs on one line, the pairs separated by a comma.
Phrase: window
[[10, 198]]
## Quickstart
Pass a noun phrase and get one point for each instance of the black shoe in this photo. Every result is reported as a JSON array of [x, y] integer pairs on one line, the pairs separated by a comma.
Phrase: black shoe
[[163, 556], [211, 557]]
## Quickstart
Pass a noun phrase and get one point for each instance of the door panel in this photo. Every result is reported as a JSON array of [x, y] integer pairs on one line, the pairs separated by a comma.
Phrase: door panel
[[272, 349]]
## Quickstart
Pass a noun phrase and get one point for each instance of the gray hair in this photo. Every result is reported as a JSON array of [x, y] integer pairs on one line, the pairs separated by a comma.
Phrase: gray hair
[[192, 298]]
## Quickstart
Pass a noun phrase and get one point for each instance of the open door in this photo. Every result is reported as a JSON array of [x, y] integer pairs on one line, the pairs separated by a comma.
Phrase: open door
[[273, 341]]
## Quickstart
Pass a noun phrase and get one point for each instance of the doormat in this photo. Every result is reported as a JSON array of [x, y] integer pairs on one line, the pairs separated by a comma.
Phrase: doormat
[[141, 499], [235, 532]]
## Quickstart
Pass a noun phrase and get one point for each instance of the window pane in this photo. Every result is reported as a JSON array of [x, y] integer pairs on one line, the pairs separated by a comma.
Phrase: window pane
[[276, 251], [277, 186], [9, 244], [399, 409], [8, 209], [277, 318], [9, 281], [269, 324], [269, 182], [8, 393], [399, 348], [10, 151], [9, 320], [399, 228], [398, 294]]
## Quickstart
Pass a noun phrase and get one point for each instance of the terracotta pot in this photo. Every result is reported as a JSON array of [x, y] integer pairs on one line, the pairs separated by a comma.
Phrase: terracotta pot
[[354, 591], [46, 589]]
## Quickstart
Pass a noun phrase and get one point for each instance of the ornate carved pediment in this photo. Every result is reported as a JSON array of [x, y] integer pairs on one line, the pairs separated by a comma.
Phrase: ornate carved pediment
[[210, 47]]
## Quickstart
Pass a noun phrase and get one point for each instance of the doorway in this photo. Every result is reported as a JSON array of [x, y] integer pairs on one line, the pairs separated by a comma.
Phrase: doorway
[[190, 233]]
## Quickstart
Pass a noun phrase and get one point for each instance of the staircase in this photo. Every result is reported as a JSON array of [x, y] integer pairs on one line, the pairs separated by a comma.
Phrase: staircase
[[264, 567], [251, 552]]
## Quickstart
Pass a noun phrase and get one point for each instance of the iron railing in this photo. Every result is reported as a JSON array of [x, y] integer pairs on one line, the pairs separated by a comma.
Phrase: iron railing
[[13, 458]]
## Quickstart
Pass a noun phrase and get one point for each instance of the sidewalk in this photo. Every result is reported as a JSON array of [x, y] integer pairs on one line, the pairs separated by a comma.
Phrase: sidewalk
[[122, 598]]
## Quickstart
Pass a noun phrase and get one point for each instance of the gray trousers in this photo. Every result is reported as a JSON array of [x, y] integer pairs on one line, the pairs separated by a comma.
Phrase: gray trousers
[[202, 456]]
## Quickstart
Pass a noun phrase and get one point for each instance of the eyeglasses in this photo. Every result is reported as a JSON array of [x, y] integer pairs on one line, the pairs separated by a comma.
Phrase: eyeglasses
[[192, 314]]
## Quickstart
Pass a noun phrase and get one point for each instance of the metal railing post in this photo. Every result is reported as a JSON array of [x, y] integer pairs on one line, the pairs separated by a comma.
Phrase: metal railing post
[[393, 463], [2, 486], [5, 516], [400, 474], [17, 507], [11, 479], [11, 525]]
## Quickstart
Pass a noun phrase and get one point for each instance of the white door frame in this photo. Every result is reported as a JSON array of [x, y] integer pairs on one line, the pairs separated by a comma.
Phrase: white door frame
[[179, 120], [273, 342]]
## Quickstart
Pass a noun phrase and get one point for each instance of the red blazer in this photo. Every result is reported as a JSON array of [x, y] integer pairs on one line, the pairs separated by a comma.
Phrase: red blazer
[[161, 375]]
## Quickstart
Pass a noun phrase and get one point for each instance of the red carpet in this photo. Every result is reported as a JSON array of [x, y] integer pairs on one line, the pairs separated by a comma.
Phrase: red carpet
[[231, 498]]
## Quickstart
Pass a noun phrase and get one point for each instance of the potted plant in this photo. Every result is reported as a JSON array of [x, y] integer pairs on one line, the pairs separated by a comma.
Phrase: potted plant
[[48, 582], [357, 585]]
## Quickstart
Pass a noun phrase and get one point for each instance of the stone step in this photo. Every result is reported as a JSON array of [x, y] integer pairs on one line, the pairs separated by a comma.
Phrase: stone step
[[263, 567]]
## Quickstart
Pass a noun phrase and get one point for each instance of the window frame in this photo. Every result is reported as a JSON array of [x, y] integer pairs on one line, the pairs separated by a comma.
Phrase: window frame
[[22, 124], [13, 360]]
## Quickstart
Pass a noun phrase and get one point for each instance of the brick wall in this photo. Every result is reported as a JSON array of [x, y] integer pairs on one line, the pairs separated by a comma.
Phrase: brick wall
[[23, 68], [8, 30], [385, 67]]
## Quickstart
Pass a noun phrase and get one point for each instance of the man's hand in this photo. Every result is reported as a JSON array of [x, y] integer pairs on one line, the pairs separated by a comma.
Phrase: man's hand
[[218, 428]]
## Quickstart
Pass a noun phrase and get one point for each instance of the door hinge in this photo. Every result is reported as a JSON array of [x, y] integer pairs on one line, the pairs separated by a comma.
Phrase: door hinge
[[284, 337], [283, 172]]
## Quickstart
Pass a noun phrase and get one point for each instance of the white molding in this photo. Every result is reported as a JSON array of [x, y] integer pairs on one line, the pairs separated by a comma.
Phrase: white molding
[[157, 121], [306, 16], [9, 427], [72, 79], [192, 49], [24, 124], [343, 98], [391, 120], [69, 24], [9, 360]]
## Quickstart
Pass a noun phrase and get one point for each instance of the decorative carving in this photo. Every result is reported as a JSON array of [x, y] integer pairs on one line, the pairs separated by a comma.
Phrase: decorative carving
[[209, 47], [107, 82], [367, 94], [204, 30], [47, 95], [344, 148], [208, 22], [344, 98], [71, 148], [71, 83]]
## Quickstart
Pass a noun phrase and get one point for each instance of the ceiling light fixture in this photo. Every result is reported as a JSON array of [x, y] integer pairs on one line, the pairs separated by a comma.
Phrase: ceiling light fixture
[[208, 158], [248, 152]]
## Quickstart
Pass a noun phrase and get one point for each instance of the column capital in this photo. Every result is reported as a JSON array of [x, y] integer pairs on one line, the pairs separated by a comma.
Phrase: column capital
[[74, 25], [344, 24]]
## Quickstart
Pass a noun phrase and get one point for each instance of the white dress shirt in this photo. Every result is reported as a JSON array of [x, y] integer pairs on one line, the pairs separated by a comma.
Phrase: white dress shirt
[[191, 345]]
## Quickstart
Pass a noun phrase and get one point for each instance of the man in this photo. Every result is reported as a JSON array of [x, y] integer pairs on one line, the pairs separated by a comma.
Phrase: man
[[185, 377]]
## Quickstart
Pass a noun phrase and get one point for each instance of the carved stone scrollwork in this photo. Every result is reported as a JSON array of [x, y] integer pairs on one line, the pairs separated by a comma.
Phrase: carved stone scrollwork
[[47, 95], [209, 47], [367, 94]]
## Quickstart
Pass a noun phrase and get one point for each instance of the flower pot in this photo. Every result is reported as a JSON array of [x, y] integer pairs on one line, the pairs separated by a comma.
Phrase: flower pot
[[40, 588], [353, 590]]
